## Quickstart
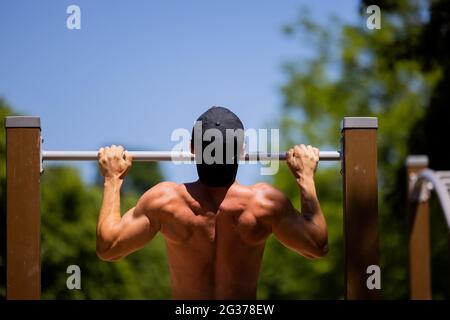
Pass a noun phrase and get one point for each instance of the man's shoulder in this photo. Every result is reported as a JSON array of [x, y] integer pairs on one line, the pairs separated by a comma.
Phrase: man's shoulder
[[167, 186], [269, 197], [161, 194], [163, 188], [266, 190]]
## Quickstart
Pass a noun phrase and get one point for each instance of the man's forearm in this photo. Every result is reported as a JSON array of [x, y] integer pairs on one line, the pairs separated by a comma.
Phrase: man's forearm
[[312, 213], [110, 209], [310, 205]]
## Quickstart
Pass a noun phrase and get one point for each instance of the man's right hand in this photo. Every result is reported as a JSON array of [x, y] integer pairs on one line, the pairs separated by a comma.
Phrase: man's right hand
[[114, 162], [302, 160]]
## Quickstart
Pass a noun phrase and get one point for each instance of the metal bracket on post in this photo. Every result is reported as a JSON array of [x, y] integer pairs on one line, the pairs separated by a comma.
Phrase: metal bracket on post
[[418, 192]]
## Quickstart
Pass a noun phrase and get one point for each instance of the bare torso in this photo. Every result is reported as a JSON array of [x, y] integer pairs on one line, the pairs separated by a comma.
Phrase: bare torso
[[214, 246], [215, 237]]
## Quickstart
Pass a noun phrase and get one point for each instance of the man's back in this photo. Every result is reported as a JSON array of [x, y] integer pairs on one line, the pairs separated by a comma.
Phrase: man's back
[[214, 243], [215, 236]]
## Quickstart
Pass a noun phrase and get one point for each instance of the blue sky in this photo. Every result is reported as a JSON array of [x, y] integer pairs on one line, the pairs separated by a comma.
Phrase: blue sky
[[137, 70]]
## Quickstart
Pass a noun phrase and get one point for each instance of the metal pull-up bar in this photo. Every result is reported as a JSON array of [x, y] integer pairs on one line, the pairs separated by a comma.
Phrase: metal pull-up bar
[[172, 156]]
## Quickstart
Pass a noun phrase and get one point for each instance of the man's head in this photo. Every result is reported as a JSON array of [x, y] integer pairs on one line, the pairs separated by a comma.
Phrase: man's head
[[217, 141]]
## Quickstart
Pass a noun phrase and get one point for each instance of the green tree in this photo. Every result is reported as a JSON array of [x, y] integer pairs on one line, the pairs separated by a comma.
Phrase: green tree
[[354, 71], [423, 37]]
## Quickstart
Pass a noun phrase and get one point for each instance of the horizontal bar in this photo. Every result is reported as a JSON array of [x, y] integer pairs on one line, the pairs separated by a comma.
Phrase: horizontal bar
[[171, 156]]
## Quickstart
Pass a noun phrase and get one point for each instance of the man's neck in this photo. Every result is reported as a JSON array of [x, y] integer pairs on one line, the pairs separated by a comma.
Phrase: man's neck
[[217, 194]]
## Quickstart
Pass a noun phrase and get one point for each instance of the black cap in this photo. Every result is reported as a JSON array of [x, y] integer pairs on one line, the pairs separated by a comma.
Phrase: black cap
[[218, 174], [220, 118]]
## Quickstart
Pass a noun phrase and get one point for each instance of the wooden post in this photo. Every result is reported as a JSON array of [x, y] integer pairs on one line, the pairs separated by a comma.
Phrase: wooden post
[[360, 187], [23, 154], [419, 235]]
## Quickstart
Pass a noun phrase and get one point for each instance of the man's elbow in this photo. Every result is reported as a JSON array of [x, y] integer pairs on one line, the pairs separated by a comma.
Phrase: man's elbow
[[105, 252], [316, 252], [321, 251], [320, 247], [322, 243], [107, 255]]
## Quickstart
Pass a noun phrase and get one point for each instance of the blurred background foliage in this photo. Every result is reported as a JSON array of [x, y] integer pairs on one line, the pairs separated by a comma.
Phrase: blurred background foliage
[[398, 74]]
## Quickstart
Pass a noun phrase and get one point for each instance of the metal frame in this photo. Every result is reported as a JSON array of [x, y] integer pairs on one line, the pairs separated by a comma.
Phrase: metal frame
[[436, 182], [421, 181], [358, 157]]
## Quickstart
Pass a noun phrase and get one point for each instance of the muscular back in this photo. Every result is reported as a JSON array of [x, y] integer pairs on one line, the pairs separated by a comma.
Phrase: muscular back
[[215, 237], [214, 246]]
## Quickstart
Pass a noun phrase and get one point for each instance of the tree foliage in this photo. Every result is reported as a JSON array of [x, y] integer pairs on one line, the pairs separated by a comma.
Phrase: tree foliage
[[395, 74]]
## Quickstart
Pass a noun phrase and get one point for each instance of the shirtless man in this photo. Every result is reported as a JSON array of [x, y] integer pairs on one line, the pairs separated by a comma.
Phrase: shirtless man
[[215, 229]]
